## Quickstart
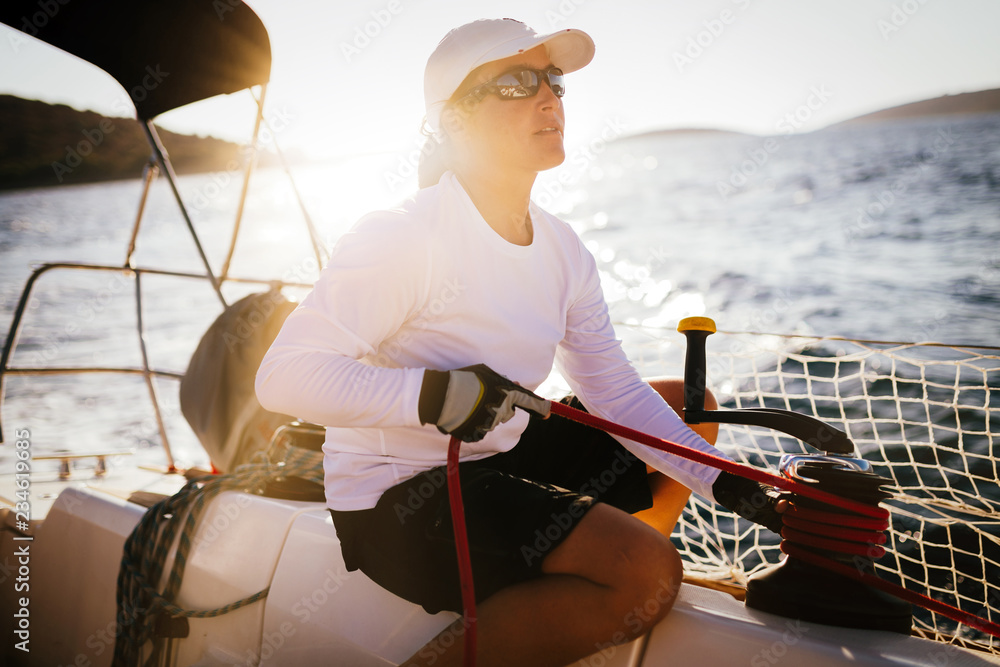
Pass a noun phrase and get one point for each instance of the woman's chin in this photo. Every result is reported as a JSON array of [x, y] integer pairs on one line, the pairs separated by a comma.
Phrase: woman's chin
[[552, 160]]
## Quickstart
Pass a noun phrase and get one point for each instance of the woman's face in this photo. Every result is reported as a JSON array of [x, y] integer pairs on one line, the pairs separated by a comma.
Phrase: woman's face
[[524, 134]]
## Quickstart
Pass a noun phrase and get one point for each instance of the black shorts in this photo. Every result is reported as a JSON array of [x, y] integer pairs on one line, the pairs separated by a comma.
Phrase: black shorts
[[519, 506]]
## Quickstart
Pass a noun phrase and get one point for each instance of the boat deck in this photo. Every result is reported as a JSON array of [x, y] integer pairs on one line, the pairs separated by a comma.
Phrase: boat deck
[[317, 611]]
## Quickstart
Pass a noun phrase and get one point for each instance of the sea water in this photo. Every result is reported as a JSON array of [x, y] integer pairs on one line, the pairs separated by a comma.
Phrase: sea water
[[883, 230]]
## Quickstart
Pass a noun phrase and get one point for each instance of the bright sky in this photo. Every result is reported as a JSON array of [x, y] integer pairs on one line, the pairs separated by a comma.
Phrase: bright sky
[[732, 64]]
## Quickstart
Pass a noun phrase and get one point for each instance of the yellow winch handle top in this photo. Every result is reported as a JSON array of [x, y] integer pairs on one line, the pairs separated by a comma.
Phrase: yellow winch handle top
[[696, 324]]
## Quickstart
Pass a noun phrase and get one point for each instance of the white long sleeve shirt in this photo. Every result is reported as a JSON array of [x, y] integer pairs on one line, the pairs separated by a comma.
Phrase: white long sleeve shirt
[[432, 285]]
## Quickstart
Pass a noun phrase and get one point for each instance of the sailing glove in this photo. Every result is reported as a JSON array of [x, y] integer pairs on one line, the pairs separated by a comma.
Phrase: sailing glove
[[749, 499], [470, 402]]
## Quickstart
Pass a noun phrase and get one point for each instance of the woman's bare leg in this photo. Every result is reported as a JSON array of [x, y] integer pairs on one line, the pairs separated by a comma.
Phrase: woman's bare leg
[[610, 581]]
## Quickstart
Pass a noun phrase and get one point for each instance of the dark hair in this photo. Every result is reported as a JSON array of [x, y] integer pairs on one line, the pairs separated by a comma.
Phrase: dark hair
[[437, 153], [435, 159]]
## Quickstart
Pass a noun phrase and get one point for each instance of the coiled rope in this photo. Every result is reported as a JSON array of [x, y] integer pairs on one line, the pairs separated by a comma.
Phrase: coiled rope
[[845, 534], [140, 603]]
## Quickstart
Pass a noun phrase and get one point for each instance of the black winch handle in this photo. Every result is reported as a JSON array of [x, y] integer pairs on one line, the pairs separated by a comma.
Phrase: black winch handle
[[696, 330], [810, 430]]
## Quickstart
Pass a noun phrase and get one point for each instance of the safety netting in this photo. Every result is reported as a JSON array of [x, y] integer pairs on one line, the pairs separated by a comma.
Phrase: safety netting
[[925, 415]]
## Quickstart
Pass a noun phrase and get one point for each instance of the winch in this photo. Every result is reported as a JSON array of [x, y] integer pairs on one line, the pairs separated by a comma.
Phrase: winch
[[813, 532]]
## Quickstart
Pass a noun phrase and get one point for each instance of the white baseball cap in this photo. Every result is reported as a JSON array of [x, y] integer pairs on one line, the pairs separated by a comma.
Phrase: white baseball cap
[[467, 47]]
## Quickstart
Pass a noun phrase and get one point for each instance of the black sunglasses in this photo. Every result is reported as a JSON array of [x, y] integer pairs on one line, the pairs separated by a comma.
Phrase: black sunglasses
[[519, 83]]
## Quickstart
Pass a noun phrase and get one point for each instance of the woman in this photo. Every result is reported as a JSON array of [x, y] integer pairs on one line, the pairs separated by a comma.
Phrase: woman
[[411, 334]]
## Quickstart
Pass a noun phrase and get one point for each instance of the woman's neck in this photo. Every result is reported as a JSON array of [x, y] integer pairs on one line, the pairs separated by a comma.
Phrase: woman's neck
[[502, 199]]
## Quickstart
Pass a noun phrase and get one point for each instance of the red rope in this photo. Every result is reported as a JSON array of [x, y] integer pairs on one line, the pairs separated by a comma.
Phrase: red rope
[[755, 474], [834, 533], [841, 533], [850, 548], [791, 549], [462, 549], [836, 519]]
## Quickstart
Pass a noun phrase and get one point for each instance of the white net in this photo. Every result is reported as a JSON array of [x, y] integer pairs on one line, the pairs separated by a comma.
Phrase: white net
[[926, 416]]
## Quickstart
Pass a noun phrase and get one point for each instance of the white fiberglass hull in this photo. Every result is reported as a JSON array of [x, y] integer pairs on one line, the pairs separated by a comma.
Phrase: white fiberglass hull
[[318, 613]]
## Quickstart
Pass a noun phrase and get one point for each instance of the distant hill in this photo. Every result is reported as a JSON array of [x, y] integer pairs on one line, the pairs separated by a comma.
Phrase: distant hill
[[44, 144], [984, 101], [684, 131], [680, 132]]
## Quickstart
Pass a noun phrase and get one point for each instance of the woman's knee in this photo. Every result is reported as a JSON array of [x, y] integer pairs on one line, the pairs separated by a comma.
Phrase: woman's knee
[[638, 566], [652, 591]]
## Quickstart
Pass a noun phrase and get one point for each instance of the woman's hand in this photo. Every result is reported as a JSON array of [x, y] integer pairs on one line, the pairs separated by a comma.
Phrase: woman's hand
[[470, 402], [749, 499]]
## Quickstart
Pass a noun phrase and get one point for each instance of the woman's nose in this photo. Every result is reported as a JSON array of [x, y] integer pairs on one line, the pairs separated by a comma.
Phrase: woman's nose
[[547, 98]]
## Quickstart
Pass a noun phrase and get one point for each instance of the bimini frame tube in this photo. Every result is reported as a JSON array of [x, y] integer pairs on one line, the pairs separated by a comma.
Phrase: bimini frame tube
[[149, 174], [318, 248], [148, 375], [251, 163], [168, 170]]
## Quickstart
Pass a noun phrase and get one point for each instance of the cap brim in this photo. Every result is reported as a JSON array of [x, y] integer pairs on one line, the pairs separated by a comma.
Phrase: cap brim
[[569, 49]]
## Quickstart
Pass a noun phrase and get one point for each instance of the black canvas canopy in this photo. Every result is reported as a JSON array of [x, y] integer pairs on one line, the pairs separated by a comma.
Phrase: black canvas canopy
[[165, 53]]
